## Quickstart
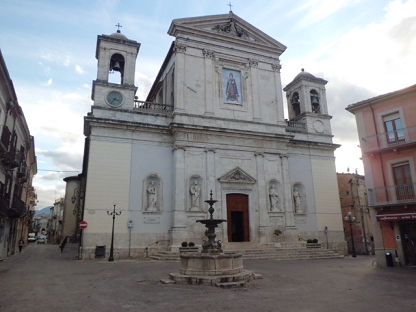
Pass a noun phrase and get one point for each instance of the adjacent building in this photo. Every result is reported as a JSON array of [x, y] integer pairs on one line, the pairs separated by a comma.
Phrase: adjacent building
[[353, 197], [212, 123], [17, 168], [387, 131]]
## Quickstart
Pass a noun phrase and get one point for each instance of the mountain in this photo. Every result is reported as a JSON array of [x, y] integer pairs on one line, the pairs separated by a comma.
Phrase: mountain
[[46, 210]]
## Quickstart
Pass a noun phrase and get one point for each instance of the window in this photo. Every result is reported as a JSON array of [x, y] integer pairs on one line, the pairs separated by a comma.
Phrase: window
[[394, 129], [403, 181]]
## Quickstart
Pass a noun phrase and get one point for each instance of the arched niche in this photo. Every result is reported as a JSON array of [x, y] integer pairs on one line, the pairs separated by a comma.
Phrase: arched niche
[[195, 193], [299, 199], [275, 199], [152, 194]]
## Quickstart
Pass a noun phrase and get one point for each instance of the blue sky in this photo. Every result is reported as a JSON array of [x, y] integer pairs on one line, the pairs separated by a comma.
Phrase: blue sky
[[363, 48]]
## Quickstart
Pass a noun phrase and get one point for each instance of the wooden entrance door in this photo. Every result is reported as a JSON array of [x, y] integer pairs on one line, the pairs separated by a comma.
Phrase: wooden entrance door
[[237, 218]]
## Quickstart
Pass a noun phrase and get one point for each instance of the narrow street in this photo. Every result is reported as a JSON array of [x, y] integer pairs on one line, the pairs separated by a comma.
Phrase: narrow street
[[43, 279]]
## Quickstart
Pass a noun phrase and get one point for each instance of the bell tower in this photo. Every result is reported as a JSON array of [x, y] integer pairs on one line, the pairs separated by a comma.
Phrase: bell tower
[[306, 100], [116, 57]]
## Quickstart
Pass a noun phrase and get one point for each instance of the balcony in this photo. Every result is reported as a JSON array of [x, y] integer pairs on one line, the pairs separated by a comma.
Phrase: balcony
[[389, 140], [154, 107], [295, 126], [18, 208], [392, 195]]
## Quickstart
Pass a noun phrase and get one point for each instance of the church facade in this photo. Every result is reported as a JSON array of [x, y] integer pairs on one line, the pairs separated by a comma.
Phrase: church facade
[[213, 122]]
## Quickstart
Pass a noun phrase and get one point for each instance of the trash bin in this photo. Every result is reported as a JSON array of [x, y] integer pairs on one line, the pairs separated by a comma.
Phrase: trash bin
[[99, 251], [389, 259]]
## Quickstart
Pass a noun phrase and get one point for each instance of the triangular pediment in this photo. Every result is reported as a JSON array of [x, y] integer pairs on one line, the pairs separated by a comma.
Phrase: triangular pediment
[[224, 25], [237, 175]]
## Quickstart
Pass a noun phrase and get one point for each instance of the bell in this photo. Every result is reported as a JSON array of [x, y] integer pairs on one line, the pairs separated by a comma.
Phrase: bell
[[116, 66], [314, 100]]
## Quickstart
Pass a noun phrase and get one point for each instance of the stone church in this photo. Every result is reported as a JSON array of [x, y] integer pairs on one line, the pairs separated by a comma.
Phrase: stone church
[[213, 121]]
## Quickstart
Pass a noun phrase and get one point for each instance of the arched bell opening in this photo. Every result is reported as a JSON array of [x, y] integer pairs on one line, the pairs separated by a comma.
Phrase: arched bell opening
[[295, 102], [316, 107], [117, 63]]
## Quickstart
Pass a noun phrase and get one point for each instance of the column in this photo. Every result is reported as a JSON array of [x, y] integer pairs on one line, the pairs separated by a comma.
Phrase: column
[[287, 188], [255, 87], [262, 200], [209, 81], [178, 229], [180, 50], [210, 161]]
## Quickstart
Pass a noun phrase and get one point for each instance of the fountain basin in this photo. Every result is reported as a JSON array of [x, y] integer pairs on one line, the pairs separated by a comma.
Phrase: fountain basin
[[202, 264]]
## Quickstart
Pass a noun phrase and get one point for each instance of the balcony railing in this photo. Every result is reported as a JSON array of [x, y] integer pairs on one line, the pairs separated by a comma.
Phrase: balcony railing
[[295, 126], [389, 139], [393, 194], [140, 105]]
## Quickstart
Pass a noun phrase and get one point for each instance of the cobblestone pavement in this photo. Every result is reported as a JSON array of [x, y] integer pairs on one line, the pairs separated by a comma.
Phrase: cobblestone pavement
[[43, 279]]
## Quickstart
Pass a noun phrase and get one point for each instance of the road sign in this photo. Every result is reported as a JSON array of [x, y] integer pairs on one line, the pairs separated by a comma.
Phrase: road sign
[[83, 224], [130, 223]]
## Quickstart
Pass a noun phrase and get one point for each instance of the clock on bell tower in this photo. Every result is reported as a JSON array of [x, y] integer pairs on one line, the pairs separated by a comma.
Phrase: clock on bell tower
[[116, 55]]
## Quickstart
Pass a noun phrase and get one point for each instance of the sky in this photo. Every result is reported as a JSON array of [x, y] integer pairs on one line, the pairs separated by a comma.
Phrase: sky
[[363, 48]]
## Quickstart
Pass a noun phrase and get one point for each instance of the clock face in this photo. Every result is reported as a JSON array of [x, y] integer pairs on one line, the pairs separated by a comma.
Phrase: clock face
[[114, 99]]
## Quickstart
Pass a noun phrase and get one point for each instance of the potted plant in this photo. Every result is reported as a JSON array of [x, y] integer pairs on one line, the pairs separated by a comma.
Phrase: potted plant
[[188, 247], [312, 243], [277, 232]]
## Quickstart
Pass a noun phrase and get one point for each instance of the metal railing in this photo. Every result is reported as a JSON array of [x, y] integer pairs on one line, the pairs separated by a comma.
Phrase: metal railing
[[393, 194], [389, 139], [141, 105]]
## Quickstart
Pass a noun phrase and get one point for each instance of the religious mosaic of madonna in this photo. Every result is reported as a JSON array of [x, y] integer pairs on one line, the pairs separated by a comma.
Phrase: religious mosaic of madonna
[[231, 81]]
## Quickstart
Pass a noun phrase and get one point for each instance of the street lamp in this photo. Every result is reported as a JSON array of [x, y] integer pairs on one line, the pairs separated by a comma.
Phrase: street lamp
[[350, 219], [114, 214]]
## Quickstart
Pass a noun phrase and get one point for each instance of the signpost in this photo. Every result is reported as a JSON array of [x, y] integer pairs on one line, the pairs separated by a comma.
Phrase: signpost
[[83, 224]]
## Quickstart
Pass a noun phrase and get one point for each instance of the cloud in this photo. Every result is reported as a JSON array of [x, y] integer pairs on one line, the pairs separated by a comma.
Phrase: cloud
[[318, 10], [62, 159], [48, 83], [79, 69], [47, 194]]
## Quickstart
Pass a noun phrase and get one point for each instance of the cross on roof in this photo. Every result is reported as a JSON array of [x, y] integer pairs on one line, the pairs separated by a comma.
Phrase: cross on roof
[[118, 27], [230, 5]]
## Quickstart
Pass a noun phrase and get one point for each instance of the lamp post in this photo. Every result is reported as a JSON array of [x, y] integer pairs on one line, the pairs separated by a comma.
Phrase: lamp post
[[114, 214], [350, 219]]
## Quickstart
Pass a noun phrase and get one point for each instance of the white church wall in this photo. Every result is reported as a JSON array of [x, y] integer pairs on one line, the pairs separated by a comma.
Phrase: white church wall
[[106, 159], [328, 207]]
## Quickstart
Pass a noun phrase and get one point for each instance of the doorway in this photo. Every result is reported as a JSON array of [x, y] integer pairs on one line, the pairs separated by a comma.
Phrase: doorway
[[408, 237], [238, 218]]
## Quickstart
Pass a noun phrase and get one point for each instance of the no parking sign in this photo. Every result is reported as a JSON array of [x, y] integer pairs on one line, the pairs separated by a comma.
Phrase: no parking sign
[[130, 223]]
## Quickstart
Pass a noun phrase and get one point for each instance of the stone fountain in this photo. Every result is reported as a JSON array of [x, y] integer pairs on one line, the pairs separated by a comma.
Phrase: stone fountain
[[212, 266]]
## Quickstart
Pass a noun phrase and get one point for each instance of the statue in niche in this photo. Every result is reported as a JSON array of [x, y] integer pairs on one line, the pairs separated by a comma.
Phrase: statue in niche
[[298, 201], [195, 192], [151, 196], [274, 198]]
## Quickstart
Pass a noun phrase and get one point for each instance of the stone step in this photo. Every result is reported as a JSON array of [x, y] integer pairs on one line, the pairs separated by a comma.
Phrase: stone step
[[266, 253]]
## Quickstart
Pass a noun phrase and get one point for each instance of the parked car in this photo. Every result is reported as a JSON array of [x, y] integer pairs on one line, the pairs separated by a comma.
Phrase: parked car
[[41, 240], [31, 237]]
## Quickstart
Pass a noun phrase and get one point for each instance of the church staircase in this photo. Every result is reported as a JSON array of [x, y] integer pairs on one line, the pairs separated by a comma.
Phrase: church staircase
[[251, 251]]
